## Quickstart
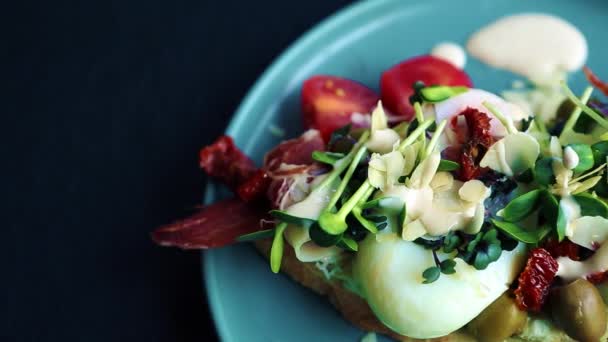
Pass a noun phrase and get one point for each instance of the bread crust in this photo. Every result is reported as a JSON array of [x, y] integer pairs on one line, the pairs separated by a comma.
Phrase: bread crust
[[354, 308]]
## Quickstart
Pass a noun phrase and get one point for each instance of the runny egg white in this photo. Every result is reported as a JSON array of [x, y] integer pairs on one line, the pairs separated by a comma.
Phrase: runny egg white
[[389, 273]]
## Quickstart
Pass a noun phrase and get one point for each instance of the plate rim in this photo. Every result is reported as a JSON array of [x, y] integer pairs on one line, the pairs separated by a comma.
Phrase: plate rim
[[333, 21]]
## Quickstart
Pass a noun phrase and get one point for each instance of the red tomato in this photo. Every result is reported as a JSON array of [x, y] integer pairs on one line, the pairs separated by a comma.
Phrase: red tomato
[[396, 83], [328, 102]]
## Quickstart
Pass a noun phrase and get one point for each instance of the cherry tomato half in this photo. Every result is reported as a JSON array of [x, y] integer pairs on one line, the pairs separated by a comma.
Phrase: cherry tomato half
[[328, 102], [396, 83]]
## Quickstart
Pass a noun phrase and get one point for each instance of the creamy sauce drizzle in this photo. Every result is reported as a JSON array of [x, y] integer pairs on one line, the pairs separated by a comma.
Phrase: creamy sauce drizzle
[[540, 47], [450, 52]]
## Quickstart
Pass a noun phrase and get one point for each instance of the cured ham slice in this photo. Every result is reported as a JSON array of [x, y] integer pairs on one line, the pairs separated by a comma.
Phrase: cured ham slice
[[215, 225], [225, 162]]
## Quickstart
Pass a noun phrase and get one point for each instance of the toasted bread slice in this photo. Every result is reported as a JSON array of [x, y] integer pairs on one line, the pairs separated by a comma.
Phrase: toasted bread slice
[[354, 308]]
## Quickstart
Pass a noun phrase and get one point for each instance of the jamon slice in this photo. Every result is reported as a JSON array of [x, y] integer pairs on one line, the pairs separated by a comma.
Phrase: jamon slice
[[215, 225]]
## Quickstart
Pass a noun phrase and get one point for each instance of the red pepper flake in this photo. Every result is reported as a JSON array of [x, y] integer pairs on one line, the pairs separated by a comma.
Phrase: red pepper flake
[[255, 187], [226, 162], [565, 248], [595, 81], [535, 280]]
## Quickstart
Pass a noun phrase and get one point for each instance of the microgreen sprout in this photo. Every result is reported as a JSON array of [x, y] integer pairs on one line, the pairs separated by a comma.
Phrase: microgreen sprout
[[259, 235], [342, 164], [448, 165], [432, 273], [420, 119], [335, 222], [434, 140], [276, 251], [588, 174], [347, 176], [358, 213], [538, 121], [576, 113], [435, 94], [592, 114], [327, 157], [415, 134], [507, 122], [418, 111]]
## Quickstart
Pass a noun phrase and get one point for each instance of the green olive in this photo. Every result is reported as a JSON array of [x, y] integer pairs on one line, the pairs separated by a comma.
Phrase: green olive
[[498, 321], [579, 309]]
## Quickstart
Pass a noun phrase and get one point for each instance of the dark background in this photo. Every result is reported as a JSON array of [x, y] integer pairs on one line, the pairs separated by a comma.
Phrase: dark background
[[105, 105]]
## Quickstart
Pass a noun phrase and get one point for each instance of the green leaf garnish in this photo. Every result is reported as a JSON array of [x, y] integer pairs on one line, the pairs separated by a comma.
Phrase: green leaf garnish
[[447, 266], [602, 186], [525, 177], [401, 218], [585, 157], [283, 216], [518, 233], [526, 123], [448, 165], [487, 250], [591, 206], [600, 152], [348, 244], [522, 206], [484, 249], [550, 207], [321, 237], [431, 274], [259, 235], [562, 222], [327, 157], [428, 243], [543, 171], [369, 225], [276, 251], [434, 94], [450, 242]]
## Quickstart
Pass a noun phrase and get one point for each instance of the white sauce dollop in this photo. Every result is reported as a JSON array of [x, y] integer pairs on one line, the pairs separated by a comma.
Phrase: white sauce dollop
[[540, 47], [450, 52]]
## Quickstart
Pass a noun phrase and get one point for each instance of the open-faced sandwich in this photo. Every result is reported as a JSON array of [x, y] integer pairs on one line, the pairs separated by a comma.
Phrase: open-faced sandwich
[[435, 211]]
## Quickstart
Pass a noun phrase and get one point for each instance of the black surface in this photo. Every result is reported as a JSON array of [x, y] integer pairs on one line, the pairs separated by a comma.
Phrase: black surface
[[105, 106]]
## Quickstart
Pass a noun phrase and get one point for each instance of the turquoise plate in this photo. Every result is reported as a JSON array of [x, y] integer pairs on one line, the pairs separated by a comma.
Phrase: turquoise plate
[[248, 302]]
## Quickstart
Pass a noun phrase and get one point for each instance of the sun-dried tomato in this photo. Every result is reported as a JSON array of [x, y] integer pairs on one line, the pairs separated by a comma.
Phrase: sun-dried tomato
[[598, 278], [535, 280], [255, 187], [474, 145], [565, 248], [469, 161], [226, 162], [479, 126]]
